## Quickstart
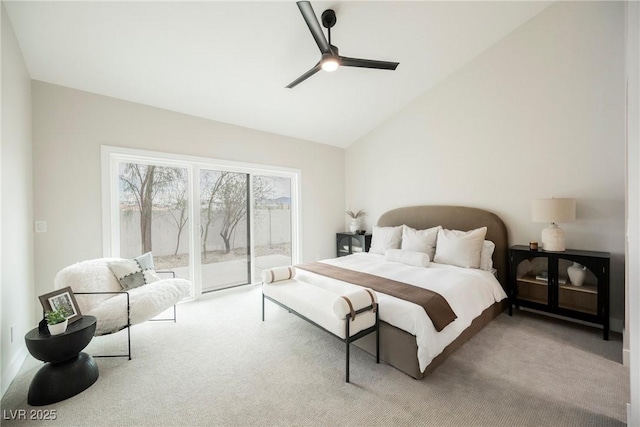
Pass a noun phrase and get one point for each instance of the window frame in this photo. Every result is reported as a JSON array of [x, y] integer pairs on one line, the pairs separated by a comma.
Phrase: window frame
[[112, 157]]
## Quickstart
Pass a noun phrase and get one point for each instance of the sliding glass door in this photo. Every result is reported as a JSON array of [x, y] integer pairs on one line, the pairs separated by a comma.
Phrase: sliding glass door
[[224, 230], [272, 222], [217, 224], [153, 214]]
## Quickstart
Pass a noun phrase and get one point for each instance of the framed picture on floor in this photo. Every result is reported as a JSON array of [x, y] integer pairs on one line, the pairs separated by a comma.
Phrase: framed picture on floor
[[62, 298]]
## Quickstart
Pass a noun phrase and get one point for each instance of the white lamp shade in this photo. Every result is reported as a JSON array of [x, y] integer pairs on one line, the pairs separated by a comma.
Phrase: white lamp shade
[[553, 210]]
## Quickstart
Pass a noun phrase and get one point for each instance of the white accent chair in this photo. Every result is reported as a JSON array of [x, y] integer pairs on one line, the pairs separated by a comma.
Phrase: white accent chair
[[99, 294]]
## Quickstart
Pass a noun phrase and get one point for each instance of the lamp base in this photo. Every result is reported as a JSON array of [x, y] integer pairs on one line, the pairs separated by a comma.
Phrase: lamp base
[[553, 239]]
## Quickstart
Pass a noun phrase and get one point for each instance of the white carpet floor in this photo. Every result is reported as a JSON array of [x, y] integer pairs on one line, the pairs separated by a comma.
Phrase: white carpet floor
[[220, 365]]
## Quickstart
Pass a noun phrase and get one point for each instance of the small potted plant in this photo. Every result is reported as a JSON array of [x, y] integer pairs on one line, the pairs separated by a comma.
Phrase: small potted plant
[[57, 320], [355, 219]]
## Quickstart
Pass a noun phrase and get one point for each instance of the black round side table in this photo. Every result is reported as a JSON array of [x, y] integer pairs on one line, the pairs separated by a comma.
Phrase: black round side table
[[67, 371]]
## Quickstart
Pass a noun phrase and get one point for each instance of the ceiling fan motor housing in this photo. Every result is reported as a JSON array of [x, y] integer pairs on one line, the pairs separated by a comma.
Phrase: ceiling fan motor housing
[[328, 18]]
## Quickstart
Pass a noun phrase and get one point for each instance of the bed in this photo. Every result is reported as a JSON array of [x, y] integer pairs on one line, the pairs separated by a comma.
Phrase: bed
[[405, 344]]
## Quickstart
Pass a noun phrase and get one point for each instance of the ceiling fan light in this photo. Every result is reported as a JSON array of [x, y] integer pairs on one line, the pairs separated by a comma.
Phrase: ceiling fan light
[[330, 64]]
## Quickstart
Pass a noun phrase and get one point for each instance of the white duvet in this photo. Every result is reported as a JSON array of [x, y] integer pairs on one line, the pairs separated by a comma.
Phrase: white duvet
[[468, 291]]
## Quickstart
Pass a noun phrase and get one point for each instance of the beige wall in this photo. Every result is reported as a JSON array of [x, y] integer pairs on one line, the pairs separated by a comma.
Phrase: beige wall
[[632, 329], [16, 292], [69, 127], [539, 114]]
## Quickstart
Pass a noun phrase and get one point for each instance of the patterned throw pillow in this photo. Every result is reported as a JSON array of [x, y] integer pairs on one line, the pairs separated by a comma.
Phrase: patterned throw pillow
[[135, 272]]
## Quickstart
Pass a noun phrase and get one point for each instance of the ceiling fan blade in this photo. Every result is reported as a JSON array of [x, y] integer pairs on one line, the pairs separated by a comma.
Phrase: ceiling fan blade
[[368, 63], [314, 26], [305, 76]]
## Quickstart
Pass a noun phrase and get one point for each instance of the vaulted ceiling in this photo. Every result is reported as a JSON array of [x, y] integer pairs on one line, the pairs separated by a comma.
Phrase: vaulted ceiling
[[230, 61]]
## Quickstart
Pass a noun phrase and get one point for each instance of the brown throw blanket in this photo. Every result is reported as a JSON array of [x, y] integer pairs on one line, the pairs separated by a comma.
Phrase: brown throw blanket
[[434, 304]]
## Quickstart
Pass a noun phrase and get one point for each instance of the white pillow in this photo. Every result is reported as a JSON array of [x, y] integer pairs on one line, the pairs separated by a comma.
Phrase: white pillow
[[486, 256], [460, 248], [135, 272], [416, 259], [420, 240], [384, 238]]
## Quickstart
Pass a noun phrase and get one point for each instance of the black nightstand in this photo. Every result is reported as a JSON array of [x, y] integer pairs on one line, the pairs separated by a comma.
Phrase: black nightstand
[[349, 243], [546, 285]]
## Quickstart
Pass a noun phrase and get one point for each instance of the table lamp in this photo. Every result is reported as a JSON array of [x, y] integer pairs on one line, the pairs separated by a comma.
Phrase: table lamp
[[553, 211]]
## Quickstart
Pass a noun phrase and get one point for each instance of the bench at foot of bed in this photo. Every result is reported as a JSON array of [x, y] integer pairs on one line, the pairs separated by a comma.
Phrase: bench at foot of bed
[[347, 317]]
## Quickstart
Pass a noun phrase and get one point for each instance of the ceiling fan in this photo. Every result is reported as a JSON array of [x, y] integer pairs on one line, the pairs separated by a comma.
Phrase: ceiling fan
[[331, 60]]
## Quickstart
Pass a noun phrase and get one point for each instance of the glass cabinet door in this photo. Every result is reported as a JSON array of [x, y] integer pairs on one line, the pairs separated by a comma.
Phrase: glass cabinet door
[[349, 244], [532, 280], [579, 289]]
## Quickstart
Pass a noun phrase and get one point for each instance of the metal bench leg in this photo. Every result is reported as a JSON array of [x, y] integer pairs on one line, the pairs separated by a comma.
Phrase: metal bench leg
[[347, 340], [377, 337]]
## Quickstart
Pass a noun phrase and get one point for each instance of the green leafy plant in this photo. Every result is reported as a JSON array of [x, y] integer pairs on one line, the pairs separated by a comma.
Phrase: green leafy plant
[[357, 214], [56, 316]]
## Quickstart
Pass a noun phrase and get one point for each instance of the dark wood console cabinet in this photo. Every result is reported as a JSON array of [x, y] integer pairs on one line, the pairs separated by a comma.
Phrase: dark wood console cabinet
[[349, 243], [543, 284]]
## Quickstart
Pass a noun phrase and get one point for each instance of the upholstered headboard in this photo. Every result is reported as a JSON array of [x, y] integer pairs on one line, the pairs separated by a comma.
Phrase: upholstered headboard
[[456, 218]]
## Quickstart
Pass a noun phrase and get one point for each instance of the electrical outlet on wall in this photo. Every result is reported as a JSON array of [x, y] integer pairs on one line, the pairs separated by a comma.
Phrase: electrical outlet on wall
[[13, 328]]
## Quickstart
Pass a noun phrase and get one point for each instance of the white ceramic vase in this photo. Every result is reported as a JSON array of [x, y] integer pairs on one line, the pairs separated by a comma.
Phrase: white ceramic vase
[[354, 225], [58, 328], [576, 274]]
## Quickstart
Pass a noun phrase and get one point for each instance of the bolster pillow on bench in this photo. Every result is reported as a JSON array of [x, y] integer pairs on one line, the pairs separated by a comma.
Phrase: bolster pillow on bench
[[278, 274], [359, 299]]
